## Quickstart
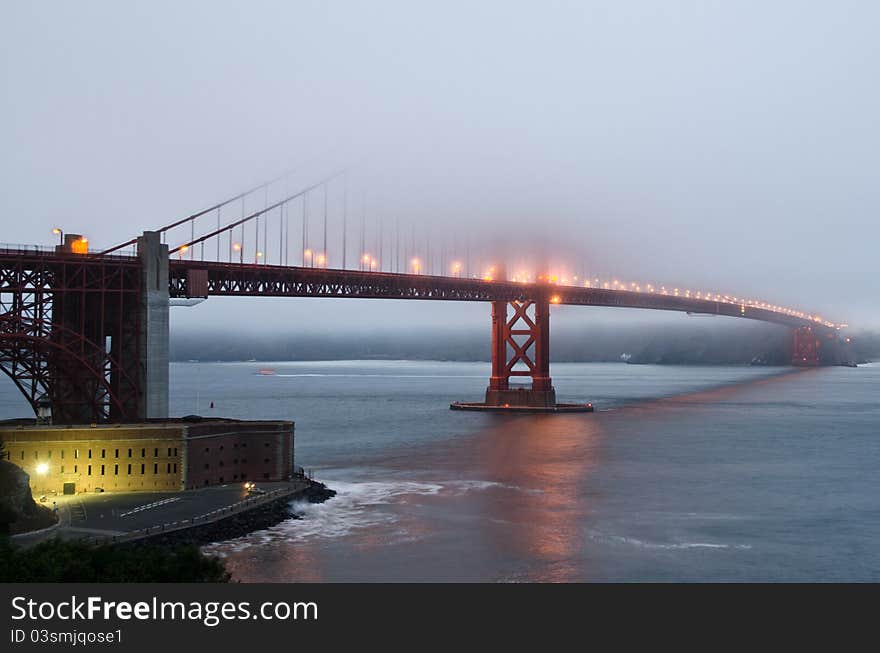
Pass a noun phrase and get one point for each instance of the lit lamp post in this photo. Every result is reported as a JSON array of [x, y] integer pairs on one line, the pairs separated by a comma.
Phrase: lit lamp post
[[366, 262], [307, 258], [258, 256], [321, 260], [456, 269], [181, 252], [417, 266], [42, 470], [60, 233], [238, 248]]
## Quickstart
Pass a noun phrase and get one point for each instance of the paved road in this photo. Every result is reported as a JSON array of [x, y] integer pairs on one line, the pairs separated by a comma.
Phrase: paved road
[[116, 513]]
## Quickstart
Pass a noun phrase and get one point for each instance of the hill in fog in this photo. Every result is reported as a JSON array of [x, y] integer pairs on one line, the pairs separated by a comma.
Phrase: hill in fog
[[709, 342]]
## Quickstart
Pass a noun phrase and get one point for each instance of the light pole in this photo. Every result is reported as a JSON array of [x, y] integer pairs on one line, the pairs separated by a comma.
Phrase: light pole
[[238, 248], [60, 233]]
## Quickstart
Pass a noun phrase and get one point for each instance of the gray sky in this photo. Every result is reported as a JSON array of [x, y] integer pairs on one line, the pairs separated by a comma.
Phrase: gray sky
[[725, 145]]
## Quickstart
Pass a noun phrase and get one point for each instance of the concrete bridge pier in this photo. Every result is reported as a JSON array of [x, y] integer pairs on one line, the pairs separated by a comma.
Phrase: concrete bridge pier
[[153, 317]]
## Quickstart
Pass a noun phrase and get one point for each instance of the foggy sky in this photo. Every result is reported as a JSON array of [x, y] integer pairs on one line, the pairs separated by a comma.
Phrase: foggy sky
[[722, 145]]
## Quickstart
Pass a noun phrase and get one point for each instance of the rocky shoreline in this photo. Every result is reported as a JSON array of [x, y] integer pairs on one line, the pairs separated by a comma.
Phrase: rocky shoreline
[[238, 524]]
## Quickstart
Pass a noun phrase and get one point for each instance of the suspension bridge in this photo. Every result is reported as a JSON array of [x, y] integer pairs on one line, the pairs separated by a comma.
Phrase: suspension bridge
[[84, 334]]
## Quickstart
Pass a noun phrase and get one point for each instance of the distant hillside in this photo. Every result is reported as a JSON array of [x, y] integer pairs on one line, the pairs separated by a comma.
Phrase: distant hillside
[[704, 343]]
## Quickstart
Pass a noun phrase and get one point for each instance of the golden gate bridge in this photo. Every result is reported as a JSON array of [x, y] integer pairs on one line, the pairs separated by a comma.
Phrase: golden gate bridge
[[85, 334]]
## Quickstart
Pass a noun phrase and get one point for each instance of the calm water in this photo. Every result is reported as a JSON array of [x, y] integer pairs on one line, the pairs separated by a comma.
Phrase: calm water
[[686, 473]]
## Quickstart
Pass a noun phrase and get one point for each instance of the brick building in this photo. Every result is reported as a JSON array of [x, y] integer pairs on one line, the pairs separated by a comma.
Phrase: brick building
[[172, 454]]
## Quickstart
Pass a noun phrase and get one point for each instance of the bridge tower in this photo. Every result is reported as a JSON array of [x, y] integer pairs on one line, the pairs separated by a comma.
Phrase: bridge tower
[[805, 347], [521, 348]]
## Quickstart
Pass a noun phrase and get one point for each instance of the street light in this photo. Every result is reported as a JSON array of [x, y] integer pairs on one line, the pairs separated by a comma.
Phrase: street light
[[417, 265], [258, 256], [307, 254], [181, 252], [43, 469], [60, 233], [456, 269], [238, 248]]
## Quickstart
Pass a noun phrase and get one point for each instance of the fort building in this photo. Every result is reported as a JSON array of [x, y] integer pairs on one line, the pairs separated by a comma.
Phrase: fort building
[[153, 455]]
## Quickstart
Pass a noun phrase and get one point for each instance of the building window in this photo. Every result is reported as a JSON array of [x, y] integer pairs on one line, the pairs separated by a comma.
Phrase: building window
[[75, 469], [129, 468], [265, 460], [48, 454], [155, 468], [36, 455], [265, 474], [129, 453], [234, 476], [116, 454], [206, 449], [115, 470], [22, 454], [221, 463], [243, 475], [265, 444], [156, 452], [175, 468], [221, 447], [175, 452], [103, 453], [142, 468], [168, 468], [62, 469], [90, 454], [169, 452], [207, 465], [102, 470], [62, 454], [221, 479], [143, 453], [90, 470]]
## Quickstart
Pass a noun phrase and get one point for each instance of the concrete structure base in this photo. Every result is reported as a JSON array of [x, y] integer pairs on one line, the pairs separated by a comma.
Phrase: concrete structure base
[[511, 408], [525, 397]]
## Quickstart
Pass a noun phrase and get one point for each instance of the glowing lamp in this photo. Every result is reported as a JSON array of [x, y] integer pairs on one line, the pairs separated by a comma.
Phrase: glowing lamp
[[43, 469]]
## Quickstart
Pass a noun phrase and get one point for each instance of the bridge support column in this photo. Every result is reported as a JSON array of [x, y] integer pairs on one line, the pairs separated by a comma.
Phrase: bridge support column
[[521, 348], [805, 347], [154, 340]]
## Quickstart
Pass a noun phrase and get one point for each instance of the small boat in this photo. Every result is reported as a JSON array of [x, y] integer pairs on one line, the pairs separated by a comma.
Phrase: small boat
[[266, 372]]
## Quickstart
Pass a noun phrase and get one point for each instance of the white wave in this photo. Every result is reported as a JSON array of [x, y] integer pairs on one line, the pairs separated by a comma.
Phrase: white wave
[[642, 544], [356, 506]]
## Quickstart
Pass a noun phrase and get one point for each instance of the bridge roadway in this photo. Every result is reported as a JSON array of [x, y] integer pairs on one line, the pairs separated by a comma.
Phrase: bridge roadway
[[225, 279]]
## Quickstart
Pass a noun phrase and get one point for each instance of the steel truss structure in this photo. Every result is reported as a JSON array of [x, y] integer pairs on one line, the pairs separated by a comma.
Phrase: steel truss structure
[[69, 333]]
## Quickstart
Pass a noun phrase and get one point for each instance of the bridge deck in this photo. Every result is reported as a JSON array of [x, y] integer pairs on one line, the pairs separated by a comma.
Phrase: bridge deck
[[224, 279]]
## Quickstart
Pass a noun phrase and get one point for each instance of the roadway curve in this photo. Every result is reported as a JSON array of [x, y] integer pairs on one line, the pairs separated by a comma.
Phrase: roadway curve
[[224, 279]]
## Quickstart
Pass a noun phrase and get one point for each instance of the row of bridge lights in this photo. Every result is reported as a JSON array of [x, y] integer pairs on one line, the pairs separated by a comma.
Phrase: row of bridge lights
[[369, 263]]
